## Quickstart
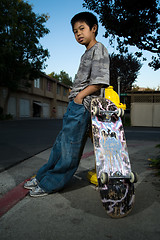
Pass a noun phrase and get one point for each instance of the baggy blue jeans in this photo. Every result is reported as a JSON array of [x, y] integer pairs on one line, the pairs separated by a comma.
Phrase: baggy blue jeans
[[67, 149]]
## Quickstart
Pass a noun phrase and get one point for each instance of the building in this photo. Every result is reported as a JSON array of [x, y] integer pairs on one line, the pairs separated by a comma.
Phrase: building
[[46, 98], [145, 108]]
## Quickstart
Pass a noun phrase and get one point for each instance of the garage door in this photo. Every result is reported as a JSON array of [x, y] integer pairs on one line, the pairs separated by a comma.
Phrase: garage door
[[59, 112], [46, 112], [156, 115], [145, 114], [12, 106], [24, 110]]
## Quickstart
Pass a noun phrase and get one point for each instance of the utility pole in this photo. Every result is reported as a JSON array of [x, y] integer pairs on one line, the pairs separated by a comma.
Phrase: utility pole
[[119, 87]]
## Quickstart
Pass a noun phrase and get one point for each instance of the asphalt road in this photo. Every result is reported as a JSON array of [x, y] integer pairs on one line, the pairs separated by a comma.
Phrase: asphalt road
[[22, 139]]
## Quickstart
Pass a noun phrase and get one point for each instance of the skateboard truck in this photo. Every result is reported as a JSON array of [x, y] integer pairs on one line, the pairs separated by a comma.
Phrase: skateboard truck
[[107, 115], [104, 178]]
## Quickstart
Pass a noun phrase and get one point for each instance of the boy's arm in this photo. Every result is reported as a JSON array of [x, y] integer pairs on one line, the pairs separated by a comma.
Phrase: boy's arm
[[87, 91]]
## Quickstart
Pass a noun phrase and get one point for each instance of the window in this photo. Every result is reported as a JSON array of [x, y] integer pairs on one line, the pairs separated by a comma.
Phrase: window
[[64, 92], [58, 89], [37, 83], [49, 86]]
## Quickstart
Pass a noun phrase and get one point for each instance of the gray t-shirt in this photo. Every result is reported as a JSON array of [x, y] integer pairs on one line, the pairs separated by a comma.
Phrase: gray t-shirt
[[93, 69]]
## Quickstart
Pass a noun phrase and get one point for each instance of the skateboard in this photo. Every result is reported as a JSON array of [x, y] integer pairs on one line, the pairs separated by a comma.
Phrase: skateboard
[[113, 168]]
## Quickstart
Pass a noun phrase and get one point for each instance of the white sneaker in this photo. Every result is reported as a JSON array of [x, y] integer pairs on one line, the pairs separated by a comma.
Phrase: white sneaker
[[38, 192], [31, 184]]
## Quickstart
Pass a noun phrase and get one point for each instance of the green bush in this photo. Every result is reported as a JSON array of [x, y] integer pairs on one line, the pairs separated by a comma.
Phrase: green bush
[[155, 162], [126, 121], [6, 117]]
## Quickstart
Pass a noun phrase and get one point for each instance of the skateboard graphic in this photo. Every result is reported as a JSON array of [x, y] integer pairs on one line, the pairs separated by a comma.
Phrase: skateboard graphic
[[113, 168]]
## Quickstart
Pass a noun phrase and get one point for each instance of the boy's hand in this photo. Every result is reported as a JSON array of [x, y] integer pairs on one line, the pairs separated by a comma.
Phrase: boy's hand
[[78, 100]]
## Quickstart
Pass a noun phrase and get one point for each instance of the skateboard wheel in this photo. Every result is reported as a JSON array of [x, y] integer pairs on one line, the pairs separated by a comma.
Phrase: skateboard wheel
[[95, 110], [120, 112], [104, 178], [133, 177]]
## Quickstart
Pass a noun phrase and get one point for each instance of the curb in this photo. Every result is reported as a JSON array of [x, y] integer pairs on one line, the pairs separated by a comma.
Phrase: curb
[[11, 198]]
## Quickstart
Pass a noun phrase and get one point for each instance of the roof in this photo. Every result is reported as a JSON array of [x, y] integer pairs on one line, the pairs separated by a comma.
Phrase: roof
[[54, 80]]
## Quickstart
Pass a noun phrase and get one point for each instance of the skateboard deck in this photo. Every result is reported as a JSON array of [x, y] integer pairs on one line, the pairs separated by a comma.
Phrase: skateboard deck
[[113, 168]]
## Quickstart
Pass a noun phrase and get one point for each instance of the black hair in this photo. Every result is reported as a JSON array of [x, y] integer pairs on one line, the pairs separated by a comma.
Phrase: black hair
[[87, 17]]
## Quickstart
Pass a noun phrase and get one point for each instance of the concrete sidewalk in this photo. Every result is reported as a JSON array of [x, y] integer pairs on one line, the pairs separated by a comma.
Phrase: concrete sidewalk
[[77, 212]]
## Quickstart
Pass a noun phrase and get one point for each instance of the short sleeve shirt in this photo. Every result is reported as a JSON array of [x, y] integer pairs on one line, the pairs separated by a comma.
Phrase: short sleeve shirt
[[93, 69]]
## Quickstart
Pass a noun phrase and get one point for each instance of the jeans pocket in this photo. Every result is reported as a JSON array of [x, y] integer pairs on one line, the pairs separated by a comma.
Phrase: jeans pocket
[[77, 103]]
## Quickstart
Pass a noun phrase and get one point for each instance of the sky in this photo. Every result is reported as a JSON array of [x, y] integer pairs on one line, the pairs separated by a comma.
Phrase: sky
[[65, 52]]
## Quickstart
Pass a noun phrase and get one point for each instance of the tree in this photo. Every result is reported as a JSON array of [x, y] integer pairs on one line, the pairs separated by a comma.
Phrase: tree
[[136, 88], [22, 56], [131, 23], [63, 77], [126, 68]]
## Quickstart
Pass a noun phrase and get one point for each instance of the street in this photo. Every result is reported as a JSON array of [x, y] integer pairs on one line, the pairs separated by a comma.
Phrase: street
[[20, 140]]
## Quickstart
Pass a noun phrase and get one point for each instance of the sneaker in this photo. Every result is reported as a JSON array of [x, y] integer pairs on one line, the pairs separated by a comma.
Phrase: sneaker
[[38, 192], [31, 183]]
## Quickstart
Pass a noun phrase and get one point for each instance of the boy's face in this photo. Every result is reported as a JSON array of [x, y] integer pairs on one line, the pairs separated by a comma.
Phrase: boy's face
[[83, 34]]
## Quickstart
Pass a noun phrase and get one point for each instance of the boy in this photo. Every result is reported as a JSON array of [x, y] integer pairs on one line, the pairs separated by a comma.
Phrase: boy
[[93, 73]]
